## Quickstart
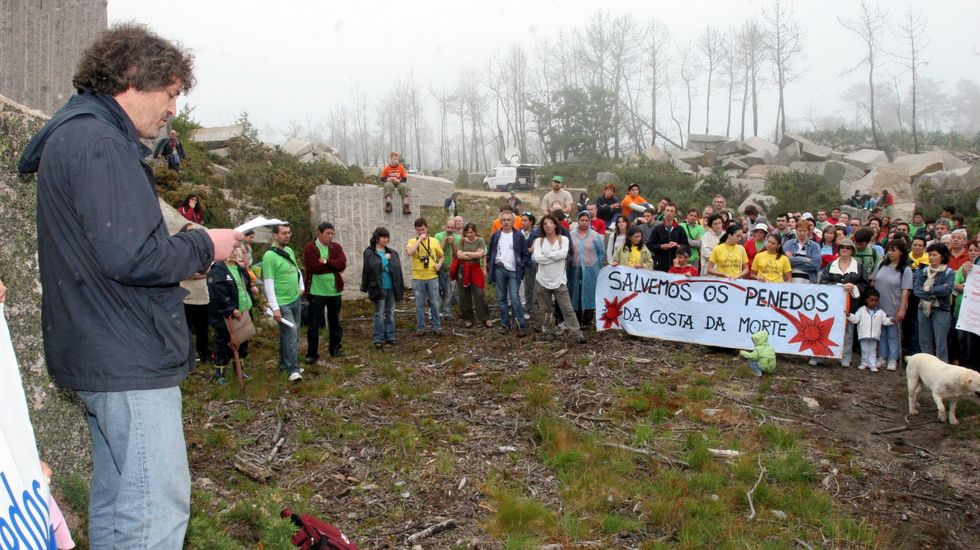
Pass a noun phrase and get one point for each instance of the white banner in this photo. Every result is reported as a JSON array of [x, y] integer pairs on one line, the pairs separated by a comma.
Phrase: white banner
[[800, 319], [970, 308], [25, 521]]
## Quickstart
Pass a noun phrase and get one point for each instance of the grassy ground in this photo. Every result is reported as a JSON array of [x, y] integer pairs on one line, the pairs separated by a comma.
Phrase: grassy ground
[[521, 444]]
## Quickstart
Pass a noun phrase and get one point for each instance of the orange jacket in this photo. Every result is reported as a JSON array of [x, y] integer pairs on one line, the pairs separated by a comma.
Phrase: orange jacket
[[496, 224]]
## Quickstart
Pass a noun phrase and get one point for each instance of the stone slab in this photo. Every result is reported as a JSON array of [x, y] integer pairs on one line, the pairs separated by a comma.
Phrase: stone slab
[[866, 159], [762, 171], [656, 154], [430, 190], [217, 136]]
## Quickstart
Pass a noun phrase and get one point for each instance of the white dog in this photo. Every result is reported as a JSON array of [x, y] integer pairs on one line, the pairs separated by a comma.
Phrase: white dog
[[946, 382]]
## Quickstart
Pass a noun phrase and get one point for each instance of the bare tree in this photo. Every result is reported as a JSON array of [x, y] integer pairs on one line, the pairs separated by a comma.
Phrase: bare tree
[[784, 39], [657, 44], [868, 25], [413, 98], [712, 45], [730, 70], [913, 34], [361, 133], [749, 46], [688, 70]]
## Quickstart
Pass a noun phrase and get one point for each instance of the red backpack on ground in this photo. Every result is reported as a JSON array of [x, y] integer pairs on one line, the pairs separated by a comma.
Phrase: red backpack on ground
[[316, 534]]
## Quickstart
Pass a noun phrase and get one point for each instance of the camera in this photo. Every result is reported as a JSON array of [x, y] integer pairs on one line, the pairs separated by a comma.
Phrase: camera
[[425, 261]]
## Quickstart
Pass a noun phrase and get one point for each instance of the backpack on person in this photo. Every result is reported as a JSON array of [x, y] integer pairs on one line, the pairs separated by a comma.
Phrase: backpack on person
[[316, 534]]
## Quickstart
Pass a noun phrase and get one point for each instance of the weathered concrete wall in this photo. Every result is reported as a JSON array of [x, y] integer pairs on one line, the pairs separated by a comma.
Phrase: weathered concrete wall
[[355, 211], [56, 415], [41, 42]]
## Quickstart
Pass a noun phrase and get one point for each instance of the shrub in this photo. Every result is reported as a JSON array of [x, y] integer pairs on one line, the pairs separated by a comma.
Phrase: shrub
[[801, 191]]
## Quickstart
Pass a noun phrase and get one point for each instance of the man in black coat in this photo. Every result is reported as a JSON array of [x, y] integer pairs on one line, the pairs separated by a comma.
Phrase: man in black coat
[[665, 239], [111, 309]]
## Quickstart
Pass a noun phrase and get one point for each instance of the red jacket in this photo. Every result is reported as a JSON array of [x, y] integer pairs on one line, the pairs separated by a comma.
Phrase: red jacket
[[336, 263]]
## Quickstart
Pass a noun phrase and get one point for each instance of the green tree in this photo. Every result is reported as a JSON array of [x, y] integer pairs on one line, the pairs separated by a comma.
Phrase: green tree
[[575, 122], [801, 191]]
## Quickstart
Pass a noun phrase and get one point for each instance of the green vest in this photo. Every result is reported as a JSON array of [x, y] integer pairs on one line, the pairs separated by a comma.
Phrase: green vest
[[244, 300], [323, 284]]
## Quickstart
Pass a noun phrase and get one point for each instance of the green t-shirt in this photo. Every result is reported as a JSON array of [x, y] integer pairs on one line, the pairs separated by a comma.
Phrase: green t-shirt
[[449, 252], [959, 279], [283, 274], [914, 229], [323, 284], [694, 233], [244, 300]]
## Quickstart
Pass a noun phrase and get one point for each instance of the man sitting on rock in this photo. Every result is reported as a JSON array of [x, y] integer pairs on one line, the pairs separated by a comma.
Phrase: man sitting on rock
[[394, 176]]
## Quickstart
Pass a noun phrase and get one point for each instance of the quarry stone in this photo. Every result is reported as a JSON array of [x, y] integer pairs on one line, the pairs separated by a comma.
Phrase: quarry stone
[[217, 137], [866, 159], [429, 190], [57, 415]]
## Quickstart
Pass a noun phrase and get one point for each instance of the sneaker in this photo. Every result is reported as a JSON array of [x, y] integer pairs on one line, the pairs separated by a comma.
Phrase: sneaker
[[437, 332], [862, 366], [339, 352], [388, 207], [467, 324], [757, 374], [406, 210], [579, 338], [845, 364], [221, 381], [295, 377], [378, 345], [391, 342], [420, 332], [504, 329], [309, 360], [880, 363], [892, 365], [246, 376], [874, 368], [521, 333]]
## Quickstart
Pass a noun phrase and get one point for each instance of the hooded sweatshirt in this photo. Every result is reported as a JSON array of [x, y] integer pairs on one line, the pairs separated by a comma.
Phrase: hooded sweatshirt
[[763, 352]]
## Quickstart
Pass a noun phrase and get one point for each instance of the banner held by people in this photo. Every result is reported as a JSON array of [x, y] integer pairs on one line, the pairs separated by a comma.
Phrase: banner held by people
[[969, 319], [800, 319]]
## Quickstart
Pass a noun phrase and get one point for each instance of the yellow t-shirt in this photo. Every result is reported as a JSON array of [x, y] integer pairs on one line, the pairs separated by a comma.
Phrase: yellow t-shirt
[[729, 259], [635, 256], [772, 268], [419, 271]]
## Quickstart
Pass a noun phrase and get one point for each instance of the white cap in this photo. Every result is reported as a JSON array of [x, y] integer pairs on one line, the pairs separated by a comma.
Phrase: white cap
[[761, 227], [807, 216]]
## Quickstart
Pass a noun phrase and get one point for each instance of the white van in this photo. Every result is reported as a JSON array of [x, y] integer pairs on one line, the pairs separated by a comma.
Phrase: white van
[[510, 177]]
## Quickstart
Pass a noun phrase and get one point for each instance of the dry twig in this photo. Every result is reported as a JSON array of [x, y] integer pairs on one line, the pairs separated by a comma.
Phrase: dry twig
[[762, 473]]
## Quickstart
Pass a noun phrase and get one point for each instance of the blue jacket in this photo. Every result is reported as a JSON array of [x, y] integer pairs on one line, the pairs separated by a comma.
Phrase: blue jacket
[[808, 261], [521, 255], [942, 288], [111, 308]]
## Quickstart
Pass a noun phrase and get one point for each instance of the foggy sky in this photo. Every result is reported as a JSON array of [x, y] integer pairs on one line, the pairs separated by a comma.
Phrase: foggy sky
[[297, 60]]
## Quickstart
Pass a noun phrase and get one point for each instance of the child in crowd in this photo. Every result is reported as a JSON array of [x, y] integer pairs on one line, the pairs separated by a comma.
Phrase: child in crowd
[[763, 357], [869, 320], [681, 267]]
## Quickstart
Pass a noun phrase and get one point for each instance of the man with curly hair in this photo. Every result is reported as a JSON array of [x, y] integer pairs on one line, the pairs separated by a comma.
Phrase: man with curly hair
[[112, 317]]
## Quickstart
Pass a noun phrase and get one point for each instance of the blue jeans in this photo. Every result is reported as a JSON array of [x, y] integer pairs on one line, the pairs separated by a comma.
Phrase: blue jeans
[[890, 346], [446, 287], [289, 336], [141, 484], [934, 331], [384, 318], [426, 290], [754, 365], [508, 286]]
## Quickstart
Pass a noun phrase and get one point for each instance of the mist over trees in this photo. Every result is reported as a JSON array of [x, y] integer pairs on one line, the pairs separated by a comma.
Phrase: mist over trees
[[618, 85]]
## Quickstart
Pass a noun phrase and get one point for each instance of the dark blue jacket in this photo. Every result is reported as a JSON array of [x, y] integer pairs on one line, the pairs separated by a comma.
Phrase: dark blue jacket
[[223, 292], [663, 260], [521, 254], [111, 308]]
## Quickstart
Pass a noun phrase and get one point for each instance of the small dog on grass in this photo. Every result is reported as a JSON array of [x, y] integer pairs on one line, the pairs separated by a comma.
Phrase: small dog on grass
[[946, 382]]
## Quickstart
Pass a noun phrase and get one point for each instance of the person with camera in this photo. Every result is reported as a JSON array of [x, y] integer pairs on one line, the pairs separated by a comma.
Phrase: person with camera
[[427, 257]]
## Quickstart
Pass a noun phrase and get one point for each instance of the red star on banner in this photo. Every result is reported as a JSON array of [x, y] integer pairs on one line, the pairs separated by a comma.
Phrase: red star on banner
[[613, 310], [812, 334]]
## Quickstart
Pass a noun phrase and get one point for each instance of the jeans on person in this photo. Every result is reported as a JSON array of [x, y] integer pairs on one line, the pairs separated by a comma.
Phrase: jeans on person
[[933, 331], [754, 365], [141, 484], [507, 287], [289, 336], [890, 347], [426, 290], [530, 272], [446, 288], [384, 318], [315, 320]]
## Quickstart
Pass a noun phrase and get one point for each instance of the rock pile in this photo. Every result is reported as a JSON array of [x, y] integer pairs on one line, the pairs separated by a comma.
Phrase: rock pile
[[867, 171], [308, 151]]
